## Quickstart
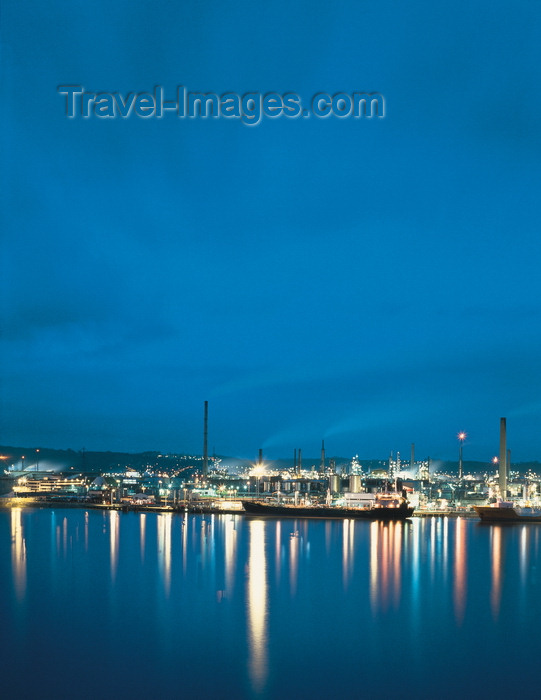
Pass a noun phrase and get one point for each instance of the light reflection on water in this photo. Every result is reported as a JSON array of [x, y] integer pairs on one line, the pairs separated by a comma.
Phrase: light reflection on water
[[114, 534], [294, 544], [257, 605], [496, 553], [348, 535], [260, 598], [142, 534], [460, 573], [230, 556], [164, 549], [18, 553], [385, 565]]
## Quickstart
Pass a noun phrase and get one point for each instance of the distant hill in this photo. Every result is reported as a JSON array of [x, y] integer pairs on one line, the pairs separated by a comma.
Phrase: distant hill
[[85, 460]]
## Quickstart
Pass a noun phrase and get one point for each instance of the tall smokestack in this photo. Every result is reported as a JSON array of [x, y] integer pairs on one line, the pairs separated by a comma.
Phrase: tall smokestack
[[260, 462], [322, 466], [205, 440], [295, 460], [503, 459], [299, 466]]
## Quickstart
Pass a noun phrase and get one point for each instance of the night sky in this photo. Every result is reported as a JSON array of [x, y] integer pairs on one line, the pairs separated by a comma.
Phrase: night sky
[[370, 282]]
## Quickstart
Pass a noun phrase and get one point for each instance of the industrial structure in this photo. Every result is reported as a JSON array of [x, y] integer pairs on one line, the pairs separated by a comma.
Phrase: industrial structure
[[173, 479]]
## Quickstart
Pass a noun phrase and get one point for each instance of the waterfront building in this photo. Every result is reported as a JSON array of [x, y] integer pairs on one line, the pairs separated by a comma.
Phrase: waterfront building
[[36, 483]]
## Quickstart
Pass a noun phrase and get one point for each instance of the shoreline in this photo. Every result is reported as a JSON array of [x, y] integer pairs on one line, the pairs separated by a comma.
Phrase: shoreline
[[29, 502]]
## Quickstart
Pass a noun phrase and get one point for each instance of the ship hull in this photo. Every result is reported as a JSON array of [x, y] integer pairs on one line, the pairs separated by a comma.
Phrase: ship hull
[[488, 514], [382, 513]]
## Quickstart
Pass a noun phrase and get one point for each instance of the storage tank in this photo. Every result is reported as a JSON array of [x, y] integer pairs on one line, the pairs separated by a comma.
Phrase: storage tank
[[355, 483], [334, 483]]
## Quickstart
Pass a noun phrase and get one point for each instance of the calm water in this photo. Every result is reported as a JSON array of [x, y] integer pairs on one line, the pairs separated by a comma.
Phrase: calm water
[[104, 604]]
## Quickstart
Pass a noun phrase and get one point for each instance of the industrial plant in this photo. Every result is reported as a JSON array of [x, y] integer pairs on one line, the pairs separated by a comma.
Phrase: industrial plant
[[216, 483]]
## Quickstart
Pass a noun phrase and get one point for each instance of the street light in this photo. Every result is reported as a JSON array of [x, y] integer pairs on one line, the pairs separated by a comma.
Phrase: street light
[[461, 437]]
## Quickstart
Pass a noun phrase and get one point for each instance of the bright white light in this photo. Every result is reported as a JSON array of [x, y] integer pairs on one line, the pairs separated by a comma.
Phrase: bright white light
[[258, 470]]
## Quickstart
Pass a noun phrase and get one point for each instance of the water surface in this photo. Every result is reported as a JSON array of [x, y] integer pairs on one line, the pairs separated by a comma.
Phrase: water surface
[[113, 605]]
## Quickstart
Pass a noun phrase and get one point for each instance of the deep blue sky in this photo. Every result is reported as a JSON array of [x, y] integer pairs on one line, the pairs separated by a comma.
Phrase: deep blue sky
[[373, 283]]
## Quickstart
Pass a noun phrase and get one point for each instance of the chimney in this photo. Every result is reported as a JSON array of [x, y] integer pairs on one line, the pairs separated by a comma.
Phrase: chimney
[[260, 462], [322, 466], [205, 440], [503, 459]]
